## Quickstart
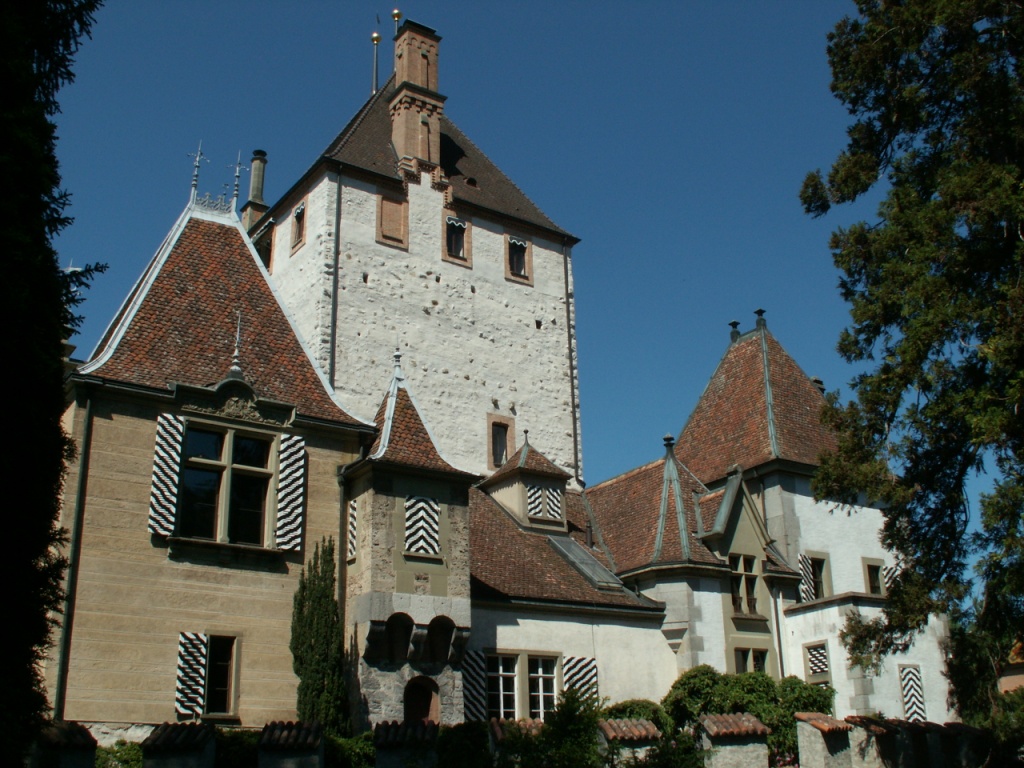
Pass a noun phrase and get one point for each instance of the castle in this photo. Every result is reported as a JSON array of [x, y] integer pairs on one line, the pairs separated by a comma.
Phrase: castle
[[386, 356]]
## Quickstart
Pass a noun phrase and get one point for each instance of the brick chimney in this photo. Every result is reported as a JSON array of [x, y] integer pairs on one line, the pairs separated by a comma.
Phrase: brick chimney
[[255, 206], [416, 107]]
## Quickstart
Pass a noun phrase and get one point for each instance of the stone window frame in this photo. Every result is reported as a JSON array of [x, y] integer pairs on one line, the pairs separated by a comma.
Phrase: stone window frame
[[196, 679], [817, 678], [298, 218], [868, 563], [509, 423], [231, 696], [523, 680], [450, 219], [401, 240], [826, 572], [750, 660], [526, 277], [743, 583]]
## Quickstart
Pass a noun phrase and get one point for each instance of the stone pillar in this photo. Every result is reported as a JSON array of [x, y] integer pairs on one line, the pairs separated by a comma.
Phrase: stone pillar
[[824, 742], [872, 743], [734, 741], [291, 745], [179, 745]]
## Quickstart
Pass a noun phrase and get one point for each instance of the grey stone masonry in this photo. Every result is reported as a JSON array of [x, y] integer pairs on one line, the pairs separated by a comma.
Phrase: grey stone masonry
[[734, 741], [823, 741]]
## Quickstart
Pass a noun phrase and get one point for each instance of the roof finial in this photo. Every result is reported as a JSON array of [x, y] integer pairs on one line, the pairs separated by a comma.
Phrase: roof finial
[[235, 372], [761, 322], [397, 16], [735, 332], [669, 442], [198, 155], [375, 38], [238, 172], [526, 437], [398, 364]]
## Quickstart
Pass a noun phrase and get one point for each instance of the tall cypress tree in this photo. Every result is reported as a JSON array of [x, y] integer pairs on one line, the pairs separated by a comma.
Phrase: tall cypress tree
[[317, 643]]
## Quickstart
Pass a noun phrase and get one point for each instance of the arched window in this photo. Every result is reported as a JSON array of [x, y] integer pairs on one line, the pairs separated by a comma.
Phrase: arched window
[[421, 701], [399, 634], [439, 638]]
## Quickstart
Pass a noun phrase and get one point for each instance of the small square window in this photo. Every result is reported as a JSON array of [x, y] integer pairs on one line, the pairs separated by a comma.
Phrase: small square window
[[393, 221], [816, 663], [500, 431], [751, 660], [299, 225], [874, 576]]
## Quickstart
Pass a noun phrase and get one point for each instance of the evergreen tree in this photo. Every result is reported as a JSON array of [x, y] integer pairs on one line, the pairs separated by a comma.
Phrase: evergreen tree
[[936, 294], [39, 40], [317, 643]]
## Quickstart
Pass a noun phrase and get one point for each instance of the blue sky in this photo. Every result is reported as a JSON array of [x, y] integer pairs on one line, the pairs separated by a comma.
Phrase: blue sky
[[671, 137]]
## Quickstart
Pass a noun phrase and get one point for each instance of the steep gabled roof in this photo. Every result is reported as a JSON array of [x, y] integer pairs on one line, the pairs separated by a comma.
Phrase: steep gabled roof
[[365, 143], [530, 460], [510, 563], [402, 437], [759, 406], [179, 323], [652, 516]]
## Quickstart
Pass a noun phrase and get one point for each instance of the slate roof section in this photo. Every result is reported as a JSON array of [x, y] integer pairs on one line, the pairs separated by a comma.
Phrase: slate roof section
[[638, 514], [758, 406], [510, 563], [365, 143], [179, 324], [402, 437], [741, 724], [528, 459]]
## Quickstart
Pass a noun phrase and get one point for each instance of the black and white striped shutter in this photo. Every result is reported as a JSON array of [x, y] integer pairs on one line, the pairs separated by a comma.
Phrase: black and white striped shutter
[[889, 574], [806, 579], [422, 525], [534, 500], [190, 689], [555, 503], [580, 673], [163, 495], [913, 694], [291, 497], [474, 686], [353, 522]]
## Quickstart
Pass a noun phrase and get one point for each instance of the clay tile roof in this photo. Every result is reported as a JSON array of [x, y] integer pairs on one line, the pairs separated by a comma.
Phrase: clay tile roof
[[963, 728], [872, 725], [179, 323], [291, 736], [402, 437], [510, 563], [639, 510], [500, 729], [365, 143], [742, 724], [822, 722], [67, 735], [178, 737], [758, 406], [531, 460], [393, 735], [629, 729]]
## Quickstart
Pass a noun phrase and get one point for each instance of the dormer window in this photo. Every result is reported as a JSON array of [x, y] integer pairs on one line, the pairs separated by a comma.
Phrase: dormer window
[[544, 502], [743, 584]]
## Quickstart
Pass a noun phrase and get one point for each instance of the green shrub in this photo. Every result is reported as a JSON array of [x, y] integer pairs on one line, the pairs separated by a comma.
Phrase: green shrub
[[642, 709], [354, 752], [464, 746], [124, 754], [678, 751], [236, 748], [690, 696]]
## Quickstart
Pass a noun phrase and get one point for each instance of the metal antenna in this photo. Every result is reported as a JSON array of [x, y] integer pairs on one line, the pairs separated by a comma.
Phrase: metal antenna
[[198, 155], [238, 172], [375, 37]]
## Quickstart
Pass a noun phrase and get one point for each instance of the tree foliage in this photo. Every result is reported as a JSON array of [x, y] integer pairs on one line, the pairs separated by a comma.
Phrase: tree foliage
[[317, 643], [936, 295], [39, 40]]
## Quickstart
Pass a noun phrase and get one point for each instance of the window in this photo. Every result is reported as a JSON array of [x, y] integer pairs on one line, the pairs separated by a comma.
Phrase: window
[[818, 577], [518, 259], [815, 578], [874, 577], [501, 686], [299, 225], [457, 241], [227, 484], [743, 583], [206, 674], [392, 221], [544, 502], [542, 686], [816, 664], [751, 660], [500, 446]]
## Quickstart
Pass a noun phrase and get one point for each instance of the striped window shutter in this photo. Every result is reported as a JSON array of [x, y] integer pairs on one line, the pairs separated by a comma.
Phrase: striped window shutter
[[422, 525], [163, 495], [889, 574], [534, 500], [190, 690], [913, 694], [817, 660], [352, 530], [580, 673], [806, 579], [555, 503], [474, 686], [291, 500]]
